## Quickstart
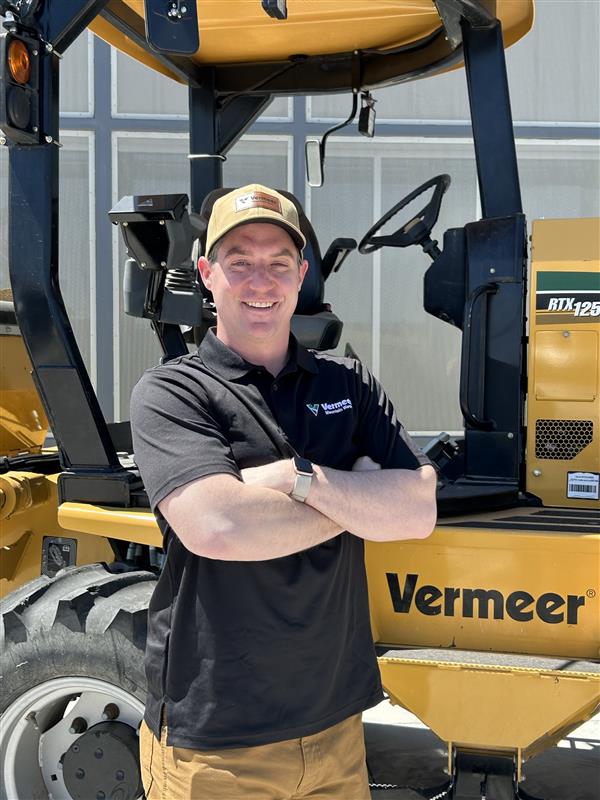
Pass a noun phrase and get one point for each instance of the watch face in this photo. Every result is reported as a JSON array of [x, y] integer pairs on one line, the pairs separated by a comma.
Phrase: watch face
[[303, 465]]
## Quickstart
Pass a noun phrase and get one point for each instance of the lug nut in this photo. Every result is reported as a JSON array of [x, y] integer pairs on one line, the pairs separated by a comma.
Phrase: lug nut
[[119, 775], [111, 711], [79, 725], [80, 773]]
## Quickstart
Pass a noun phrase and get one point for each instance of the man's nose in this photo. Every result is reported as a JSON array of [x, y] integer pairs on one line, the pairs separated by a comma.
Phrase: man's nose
[[260, 278]]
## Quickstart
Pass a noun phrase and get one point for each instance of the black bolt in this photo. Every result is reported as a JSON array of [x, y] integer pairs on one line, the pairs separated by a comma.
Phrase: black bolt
[[79, 725], [100, 796], [119, 775], [111, 711], [80, 773], [99, 753], [75, 748]]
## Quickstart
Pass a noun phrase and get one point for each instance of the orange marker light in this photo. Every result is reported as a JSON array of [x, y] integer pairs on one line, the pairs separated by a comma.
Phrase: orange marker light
[[19, 62]]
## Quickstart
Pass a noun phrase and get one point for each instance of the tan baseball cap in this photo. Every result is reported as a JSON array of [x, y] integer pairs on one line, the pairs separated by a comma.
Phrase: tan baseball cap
[[253, 203]]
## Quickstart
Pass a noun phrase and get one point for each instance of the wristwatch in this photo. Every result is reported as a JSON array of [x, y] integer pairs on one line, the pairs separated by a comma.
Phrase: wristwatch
[[304, 475]]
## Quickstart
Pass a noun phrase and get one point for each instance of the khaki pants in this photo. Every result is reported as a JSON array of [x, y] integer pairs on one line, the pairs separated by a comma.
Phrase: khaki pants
[[329, 765]]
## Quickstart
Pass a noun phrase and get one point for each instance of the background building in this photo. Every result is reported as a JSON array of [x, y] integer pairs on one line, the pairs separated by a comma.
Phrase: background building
[[124, 131]]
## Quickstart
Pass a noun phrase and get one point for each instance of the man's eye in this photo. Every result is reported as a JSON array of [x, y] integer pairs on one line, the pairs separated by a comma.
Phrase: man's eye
[[240, 264]]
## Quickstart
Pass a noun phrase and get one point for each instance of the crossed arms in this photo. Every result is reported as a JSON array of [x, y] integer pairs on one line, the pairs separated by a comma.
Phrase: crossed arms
[[221, 518]]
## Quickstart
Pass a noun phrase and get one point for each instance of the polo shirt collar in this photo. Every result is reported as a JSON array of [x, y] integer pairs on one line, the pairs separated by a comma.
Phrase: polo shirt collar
[[229, 364]]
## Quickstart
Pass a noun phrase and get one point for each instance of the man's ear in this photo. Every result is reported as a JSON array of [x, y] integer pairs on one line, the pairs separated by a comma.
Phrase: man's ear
[[303, 269], [205, 270]]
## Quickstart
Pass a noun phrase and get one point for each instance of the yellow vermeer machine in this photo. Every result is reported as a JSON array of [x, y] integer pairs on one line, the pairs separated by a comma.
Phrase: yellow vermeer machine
[[489, 631]]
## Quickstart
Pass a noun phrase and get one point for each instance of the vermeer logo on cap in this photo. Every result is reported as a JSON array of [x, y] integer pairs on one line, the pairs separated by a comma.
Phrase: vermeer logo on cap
[[258, 200]]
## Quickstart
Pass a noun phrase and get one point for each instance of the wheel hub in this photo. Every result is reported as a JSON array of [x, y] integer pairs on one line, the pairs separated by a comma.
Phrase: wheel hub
[[40, 727], [102, 763]]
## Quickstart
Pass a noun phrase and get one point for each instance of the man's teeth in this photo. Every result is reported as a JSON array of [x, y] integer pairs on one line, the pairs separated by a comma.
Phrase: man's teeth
[[260, 305]]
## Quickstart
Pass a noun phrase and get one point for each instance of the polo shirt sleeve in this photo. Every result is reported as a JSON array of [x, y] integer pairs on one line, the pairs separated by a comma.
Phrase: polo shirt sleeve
[[380, 435], [176, 438]]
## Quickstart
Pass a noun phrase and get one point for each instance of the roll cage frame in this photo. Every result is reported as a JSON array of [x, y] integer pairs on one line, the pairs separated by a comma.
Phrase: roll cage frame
[[224, 100]]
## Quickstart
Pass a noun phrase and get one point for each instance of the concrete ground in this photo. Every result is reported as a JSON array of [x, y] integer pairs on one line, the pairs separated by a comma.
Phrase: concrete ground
[[402, 751]]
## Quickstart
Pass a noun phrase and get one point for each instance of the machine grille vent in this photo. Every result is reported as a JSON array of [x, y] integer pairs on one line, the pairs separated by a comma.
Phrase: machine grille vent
[[562, 438]]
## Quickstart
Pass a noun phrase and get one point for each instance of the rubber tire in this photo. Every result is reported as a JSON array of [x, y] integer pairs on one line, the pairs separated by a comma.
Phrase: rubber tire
[[87, 621]]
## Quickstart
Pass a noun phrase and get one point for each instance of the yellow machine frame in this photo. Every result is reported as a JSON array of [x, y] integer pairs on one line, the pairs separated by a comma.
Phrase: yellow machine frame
[[497, 610]]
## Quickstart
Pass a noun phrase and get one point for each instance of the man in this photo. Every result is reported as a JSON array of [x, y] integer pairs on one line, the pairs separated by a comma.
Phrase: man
[[258, 456]]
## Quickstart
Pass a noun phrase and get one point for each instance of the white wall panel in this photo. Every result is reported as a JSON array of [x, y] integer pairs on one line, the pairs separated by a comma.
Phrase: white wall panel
[[137, 91], [76, 235], [554, 76], [76, 238], [344, 207], [420, 354], [554, 72], [559, 178], [76, 85]]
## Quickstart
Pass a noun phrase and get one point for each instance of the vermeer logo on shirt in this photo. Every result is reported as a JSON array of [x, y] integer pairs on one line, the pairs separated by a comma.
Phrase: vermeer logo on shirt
[[330, 408], [258, 200]]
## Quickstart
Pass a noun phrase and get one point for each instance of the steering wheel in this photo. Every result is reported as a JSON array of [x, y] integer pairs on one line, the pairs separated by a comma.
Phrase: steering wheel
[[417, 230]]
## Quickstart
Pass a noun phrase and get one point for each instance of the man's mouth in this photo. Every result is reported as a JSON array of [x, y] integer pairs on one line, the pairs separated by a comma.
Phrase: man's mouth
[[256, 304]]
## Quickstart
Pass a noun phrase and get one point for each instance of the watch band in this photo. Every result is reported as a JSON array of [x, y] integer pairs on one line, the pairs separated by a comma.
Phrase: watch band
[[304, 475]]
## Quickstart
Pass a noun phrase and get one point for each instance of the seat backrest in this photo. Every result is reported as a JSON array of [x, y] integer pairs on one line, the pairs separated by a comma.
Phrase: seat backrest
[[310, 300]]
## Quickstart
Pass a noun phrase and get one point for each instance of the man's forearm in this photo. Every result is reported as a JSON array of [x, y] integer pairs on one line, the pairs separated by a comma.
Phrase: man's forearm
[[379, 505], [373, 503], [269, 524], [243, 523]]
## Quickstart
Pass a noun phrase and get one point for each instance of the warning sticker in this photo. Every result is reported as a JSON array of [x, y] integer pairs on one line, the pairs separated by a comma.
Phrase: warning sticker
[[583, 485]]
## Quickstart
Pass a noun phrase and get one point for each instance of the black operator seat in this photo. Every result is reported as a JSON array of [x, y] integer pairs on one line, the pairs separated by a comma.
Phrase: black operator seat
[[313, 324]]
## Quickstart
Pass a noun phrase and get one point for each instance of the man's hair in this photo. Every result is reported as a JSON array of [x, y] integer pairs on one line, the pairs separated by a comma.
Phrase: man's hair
[[213, 254]]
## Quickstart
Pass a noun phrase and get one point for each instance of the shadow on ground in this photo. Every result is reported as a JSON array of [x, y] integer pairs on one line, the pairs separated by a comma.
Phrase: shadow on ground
[[410, 756]]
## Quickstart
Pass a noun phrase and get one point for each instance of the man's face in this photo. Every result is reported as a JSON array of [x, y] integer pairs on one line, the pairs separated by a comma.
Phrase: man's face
[[255, 282]]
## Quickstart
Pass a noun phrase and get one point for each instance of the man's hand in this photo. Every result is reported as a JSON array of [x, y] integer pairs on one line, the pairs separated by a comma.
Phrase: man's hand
[[278, 475], [377, 504]]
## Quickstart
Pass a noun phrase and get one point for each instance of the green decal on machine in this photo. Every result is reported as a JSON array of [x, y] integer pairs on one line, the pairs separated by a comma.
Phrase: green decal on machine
[[567, 297], [568, 281]]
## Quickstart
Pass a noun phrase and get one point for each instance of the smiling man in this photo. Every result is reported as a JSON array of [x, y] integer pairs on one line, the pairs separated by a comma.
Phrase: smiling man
[[267, 466], [255, 273]]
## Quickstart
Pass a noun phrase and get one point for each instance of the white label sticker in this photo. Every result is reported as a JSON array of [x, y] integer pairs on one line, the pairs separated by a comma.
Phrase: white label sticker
[[583, 485]]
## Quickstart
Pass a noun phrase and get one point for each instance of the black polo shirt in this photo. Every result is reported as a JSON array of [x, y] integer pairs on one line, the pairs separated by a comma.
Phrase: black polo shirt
[[247, 653]]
